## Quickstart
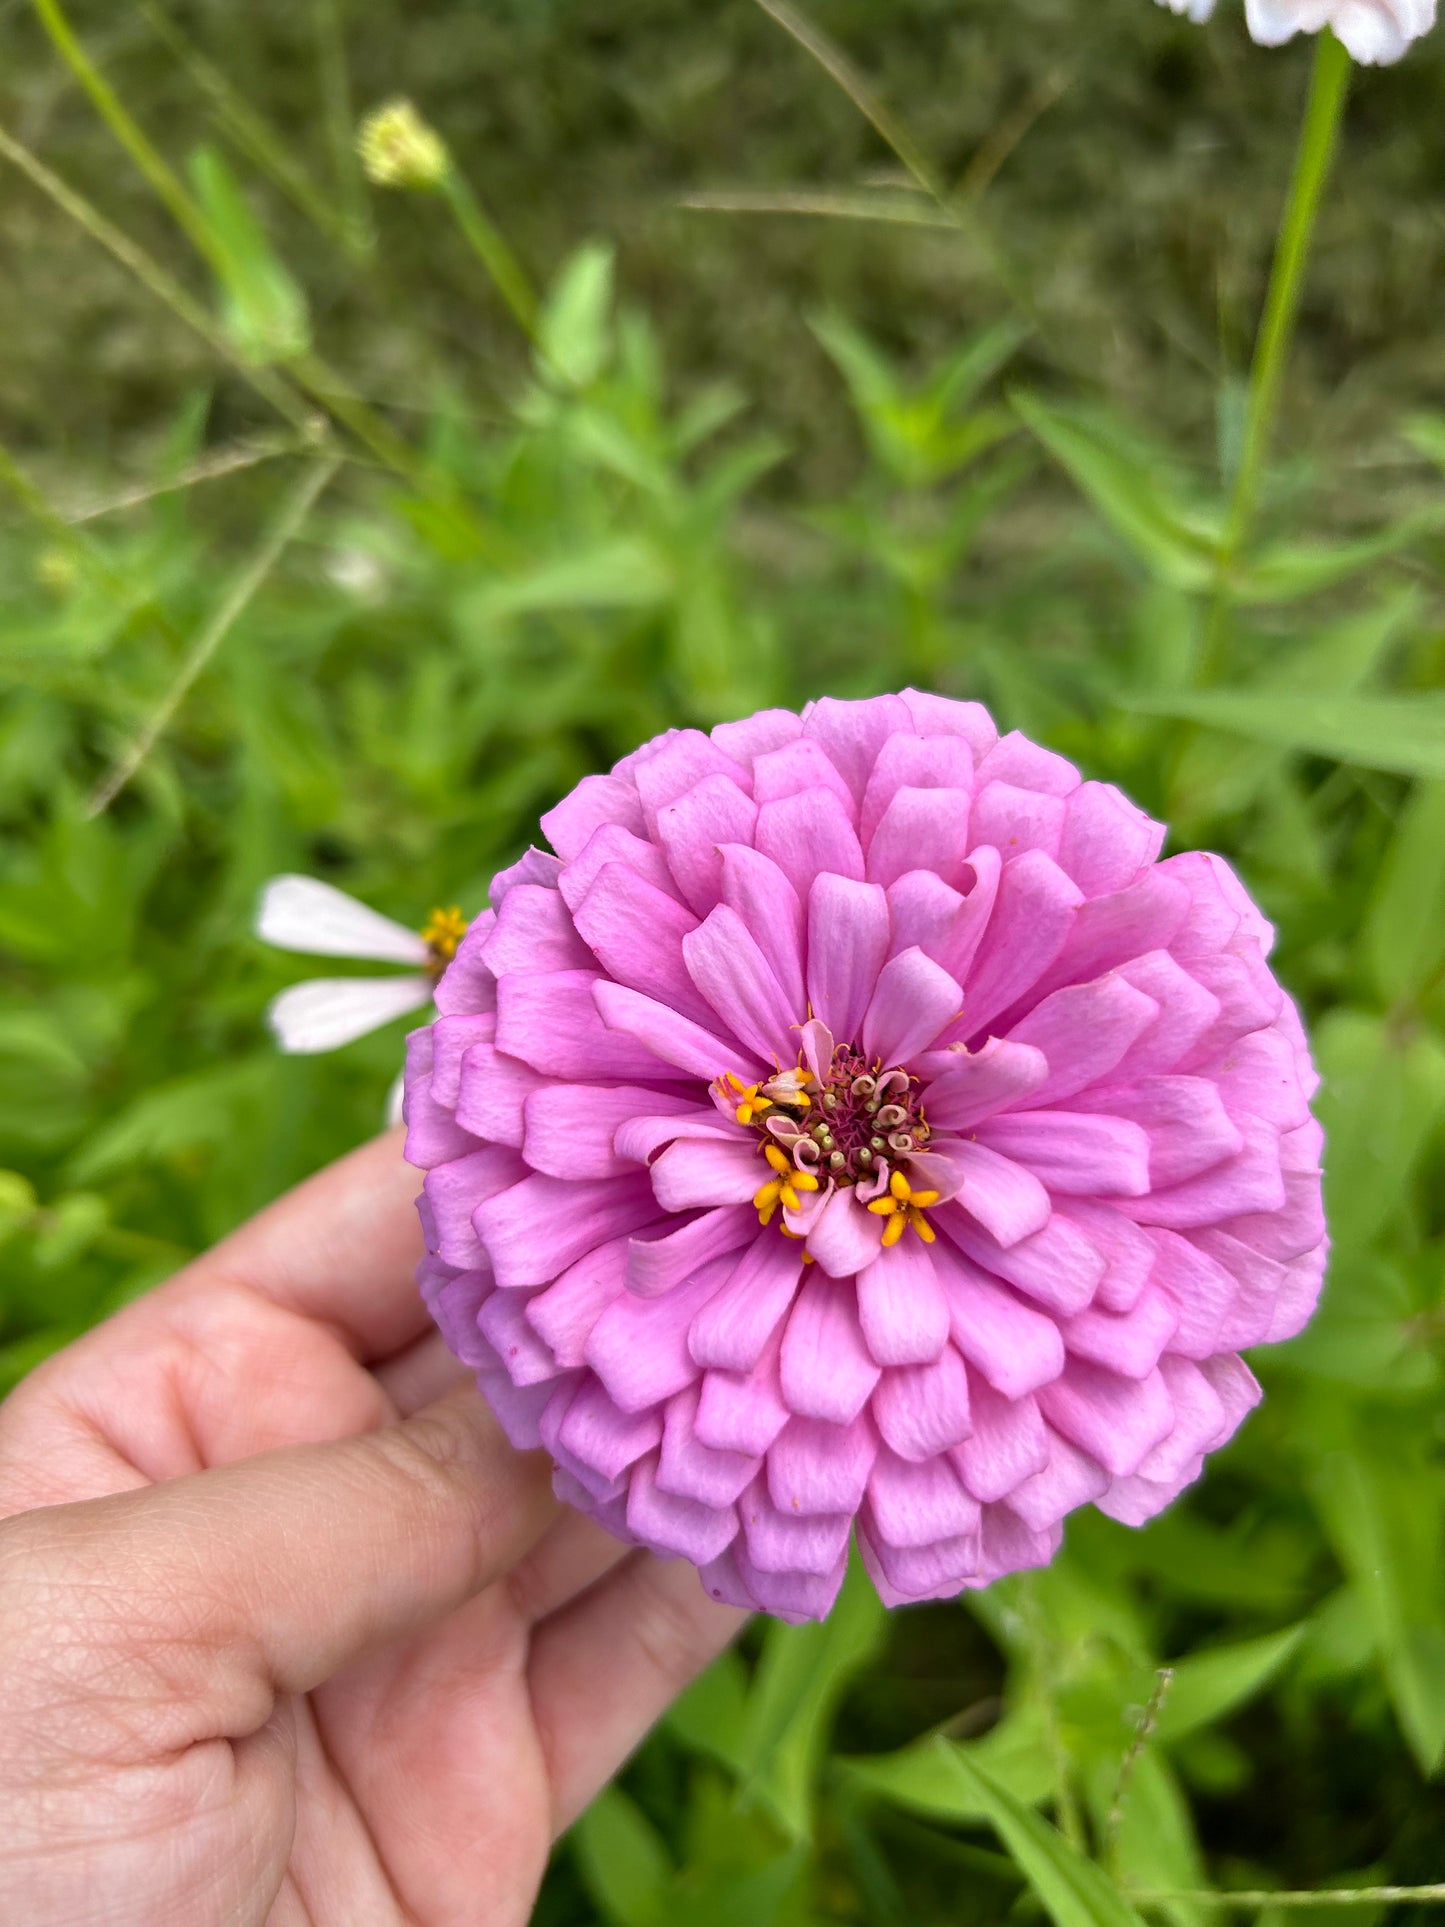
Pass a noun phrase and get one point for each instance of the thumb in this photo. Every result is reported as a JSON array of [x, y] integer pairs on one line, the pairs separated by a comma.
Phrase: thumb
[[206, 1598]]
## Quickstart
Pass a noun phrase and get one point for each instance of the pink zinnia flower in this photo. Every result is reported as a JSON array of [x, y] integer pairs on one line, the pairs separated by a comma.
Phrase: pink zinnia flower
[[855, 1128]]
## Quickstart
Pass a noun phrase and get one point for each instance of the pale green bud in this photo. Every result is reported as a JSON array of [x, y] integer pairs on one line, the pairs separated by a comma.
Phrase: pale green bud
[[398, 149]]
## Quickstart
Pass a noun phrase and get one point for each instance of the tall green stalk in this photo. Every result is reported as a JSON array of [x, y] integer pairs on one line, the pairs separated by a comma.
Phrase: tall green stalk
[[111, 110], [491, 248], [1324, 110]]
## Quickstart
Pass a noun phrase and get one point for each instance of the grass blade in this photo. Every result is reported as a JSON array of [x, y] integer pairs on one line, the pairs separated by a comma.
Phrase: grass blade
[[232, 605]]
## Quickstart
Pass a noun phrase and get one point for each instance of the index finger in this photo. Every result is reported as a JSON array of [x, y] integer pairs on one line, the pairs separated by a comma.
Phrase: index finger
[[341, 1248]]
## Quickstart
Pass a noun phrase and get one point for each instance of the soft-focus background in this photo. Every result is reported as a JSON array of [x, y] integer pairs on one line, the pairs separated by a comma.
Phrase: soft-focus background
[[797, 424]]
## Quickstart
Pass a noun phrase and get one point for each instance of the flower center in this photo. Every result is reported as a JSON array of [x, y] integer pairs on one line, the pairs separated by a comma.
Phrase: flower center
[[863, 1116], [441, 933], [858, 1125]]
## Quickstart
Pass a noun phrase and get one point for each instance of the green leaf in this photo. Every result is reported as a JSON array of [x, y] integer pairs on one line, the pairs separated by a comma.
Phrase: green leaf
[[1286, 571], [1402, 734], [920, 1779], [1074, 1891], [872, 383], [963, 376], [1405, 927], [1209, 1685], [1133, 492], [1385, 1517], [72, 1226], [621, 1859], [174, 1120], [1382, 1095], [17, 1203], [1155, 1847], [265, 308], [1426, 433], [711, 1716], [574, 335], [1367, 1331], [803, 1672], [625, 573]]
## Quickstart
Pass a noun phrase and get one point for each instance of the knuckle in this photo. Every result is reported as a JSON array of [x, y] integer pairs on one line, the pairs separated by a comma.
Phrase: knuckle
[[431, 1456]]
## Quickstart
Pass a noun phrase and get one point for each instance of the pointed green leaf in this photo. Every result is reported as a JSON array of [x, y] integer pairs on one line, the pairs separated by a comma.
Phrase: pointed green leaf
[[1288, 570], [574, 336], [1405, 929], [625, 573], [871, 381], [1384, 1515], [1208, 1685], [920, 1779], [1383, 1094], [1135, 495], [265, 308], [1074, 1891], [803, 1672], [1402, 734], [621, 1859], [711, 1716], [967, 372]]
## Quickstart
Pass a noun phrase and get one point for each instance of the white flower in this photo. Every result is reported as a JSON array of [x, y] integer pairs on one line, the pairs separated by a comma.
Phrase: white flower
[[303, 914], [1374, 32]]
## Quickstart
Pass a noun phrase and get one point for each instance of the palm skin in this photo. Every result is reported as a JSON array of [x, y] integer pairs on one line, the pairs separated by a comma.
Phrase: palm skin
[[355, 1683]]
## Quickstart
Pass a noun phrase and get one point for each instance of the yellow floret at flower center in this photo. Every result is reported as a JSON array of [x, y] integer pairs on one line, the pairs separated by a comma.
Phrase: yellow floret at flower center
[[902, 1206], [441, 933], [784, 1187]]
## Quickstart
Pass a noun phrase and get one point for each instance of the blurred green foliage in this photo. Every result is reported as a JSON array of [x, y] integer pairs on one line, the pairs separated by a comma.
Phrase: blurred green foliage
[[980, 435]]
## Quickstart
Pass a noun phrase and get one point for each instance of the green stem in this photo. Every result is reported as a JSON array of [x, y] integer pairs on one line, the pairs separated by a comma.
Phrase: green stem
[[251, 132], [1324, 110], [158, 280], [492, 249], [340, 123], [233, 605], [1255, 1897], [1328, 88], [111, 110]]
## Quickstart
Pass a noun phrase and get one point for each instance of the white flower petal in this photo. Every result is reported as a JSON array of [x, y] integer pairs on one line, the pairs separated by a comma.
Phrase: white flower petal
[[302, 913], [395, 1098], [331, 1011]]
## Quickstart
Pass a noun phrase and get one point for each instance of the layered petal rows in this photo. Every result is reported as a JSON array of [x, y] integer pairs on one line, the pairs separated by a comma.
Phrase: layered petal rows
[[855, 1130]]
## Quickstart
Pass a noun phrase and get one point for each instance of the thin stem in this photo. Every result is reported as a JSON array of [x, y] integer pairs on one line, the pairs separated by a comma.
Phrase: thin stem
[[320, 381], [252, 133], [1329, 86], [312, 373], [836, 64], [1252, 1897], [127, 131], [86, 554], [210, 468], [961, 214], [340, 120], [1143, 1733], [1328, 89], [159, 281], [1067, 1810], [232, 605], [492, 249]]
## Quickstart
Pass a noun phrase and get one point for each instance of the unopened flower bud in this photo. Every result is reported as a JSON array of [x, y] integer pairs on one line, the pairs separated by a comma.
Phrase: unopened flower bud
[[398, 149]]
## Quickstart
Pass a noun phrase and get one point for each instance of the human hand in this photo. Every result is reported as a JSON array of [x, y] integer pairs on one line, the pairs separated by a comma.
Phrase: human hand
[[281, 1639]]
